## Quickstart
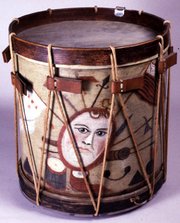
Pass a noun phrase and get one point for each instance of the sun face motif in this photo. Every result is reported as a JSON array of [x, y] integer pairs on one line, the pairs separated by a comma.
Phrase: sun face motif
[[89, 128]]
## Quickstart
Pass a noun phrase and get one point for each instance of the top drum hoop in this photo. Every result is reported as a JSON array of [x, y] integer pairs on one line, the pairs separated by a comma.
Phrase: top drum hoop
[[83, 55]]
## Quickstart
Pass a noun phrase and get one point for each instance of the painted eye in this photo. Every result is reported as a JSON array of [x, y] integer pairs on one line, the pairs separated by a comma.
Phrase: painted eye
[[101, 133], [83, 130]]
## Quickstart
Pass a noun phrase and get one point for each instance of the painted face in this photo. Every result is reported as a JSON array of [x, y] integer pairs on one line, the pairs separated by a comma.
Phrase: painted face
[[90, 132]]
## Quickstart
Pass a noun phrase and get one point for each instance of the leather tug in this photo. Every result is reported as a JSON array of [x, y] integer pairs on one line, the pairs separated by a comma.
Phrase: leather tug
[[64, 84], [19, 83], [123, 86]]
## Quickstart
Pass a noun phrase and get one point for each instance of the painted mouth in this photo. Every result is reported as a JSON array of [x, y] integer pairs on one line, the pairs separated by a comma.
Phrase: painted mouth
[[84, 150]]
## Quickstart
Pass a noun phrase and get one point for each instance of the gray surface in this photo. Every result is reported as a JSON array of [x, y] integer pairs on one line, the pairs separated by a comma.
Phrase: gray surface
[[164, 208], [88, 34]]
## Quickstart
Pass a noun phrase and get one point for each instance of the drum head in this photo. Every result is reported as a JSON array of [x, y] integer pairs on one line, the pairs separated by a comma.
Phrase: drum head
[[88, 34]]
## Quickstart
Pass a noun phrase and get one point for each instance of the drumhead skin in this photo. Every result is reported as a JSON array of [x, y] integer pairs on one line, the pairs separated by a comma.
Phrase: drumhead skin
[[88, 34], [80, 42]]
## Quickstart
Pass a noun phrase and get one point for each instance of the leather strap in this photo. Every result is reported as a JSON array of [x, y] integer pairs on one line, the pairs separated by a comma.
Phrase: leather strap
[[167, 62], [170, 50], [19, 83], [171, 60], [6, 55], [123, 86], [64, 84]]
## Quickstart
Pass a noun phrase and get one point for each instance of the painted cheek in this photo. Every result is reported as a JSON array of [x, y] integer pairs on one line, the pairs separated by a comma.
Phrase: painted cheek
[[98, 144], [67, 144], [66, 138]]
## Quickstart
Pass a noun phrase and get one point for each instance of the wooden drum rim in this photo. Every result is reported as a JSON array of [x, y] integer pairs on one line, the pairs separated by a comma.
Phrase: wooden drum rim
[[89, 56]]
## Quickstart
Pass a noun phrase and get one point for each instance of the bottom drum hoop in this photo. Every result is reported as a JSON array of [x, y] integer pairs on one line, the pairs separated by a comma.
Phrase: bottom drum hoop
[[109, 206]]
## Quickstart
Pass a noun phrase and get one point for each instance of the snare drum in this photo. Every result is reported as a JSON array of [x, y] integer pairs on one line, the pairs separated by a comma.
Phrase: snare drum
[[91, 102]]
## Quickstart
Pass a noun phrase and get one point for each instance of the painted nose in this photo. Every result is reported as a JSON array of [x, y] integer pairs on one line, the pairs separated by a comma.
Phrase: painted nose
[[88, 140]]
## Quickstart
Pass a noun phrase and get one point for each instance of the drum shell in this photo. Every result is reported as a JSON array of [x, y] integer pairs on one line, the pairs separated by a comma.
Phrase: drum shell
[[140, 111], [124, 182]]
